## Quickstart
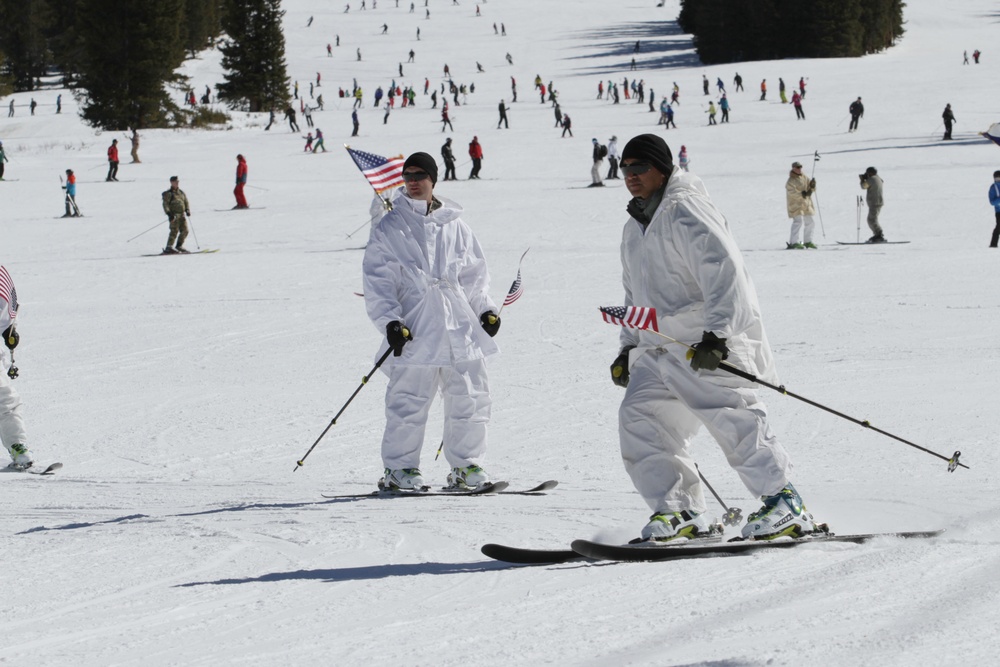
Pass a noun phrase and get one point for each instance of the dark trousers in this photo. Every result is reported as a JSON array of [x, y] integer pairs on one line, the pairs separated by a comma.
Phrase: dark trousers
[[613, 170], [854, 123], [112, 170], [477, 164], [449, 170], [947, 130], [996, 233], [799, 113]]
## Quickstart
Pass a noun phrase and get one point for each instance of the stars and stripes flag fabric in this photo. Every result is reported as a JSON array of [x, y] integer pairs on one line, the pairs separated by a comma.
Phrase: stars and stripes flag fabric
[[993, 134], [631, 317], [384, 173], [8, 293], [516, 290]]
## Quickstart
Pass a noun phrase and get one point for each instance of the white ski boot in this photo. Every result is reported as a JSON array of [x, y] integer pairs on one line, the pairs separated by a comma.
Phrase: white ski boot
[[22, 457], [406, 479], [467, 477], [783, 514], [668, 526]]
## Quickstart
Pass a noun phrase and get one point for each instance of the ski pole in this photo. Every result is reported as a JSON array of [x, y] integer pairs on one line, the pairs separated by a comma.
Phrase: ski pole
[[733, 515], [363, 225], [819, 211], [197, 245], [859, 219], [364, 381], [953, 462], [148, 230]]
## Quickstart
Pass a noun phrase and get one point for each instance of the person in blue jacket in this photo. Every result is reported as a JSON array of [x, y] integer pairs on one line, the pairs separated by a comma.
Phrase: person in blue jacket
[[995, 200], [724, 105]]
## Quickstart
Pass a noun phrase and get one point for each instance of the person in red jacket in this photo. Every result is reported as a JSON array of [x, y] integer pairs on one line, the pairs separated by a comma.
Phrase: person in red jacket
[[113, 161], [476, 153], [241, 180]]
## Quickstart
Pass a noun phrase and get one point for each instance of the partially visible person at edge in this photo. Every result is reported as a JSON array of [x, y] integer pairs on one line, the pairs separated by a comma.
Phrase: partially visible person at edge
[[426, 285], [995, 200], [12, 431], [679, 257]]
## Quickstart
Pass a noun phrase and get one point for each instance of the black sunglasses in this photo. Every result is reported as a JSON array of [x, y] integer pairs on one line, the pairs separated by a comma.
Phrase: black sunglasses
[[410, 176], [636, 168]]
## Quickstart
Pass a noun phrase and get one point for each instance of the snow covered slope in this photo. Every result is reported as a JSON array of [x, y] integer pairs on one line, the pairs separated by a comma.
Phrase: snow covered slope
[[180, 391]]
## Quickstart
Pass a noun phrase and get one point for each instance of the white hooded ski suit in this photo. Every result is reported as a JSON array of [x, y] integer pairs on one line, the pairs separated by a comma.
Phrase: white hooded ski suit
[[11, 423], [687, 266], [428, 271]]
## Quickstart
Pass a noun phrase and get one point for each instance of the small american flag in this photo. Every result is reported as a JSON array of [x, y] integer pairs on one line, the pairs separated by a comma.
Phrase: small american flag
[[8, 293], [516, 290], [632, 317], [384, 173]]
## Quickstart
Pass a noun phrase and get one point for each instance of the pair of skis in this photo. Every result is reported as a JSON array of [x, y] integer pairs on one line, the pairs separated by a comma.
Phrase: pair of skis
[[490, 488], [49, 470], [698, 547]]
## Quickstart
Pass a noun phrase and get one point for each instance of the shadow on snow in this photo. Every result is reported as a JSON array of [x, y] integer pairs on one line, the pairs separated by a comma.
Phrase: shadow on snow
[[364, 573]]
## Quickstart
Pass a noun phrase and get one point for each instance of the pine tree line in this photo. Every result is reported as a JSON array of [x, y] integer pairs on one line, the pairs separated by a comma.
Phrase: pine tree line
[[738, 30], [119, 55]]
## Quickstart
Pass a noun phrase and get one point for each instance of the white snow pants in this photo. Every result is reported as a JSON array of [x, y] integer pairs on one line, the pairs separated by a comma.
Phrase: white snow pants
[[797, 224], [408, 398], [11, 424], [665, 405], [595, 172]]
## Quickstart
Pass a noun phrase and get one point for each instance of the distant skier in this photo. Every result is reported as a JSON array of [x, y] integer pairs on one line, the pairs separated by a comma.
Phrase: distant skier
[[704, 84], [724, 106], [354, 120], [598, 155], [711, 113], [3, 159], [797, 103], [949, 118], [449, 161], [319, 141], [975, 56], [682, 159], [241, 181], [613, 158], [721, 86], [112, 161], [872, 183], [763, 90], [476, 153], [995, 200], [503, 116], [176, 206], [290, 116], [781, 91], [309, 143], [670, 118], [72, 210], [798, 200], [738, 82], [445, 120], [557, 110], [12, 430], [857, 110], [802, 86], [134, 139], [567, 124]]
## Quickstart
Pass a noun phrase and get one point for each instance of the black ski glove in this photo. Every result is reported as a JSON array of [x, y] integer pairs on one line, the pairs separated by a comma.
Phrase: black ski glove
[[709, 353], [397, 335], [490, 322], [11, 337], [619, 368]]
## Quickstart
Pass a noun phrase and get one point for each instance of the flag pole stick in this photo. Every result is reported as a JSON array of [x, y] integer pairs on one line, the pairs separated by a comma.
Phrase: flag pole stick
[[953, 461], [514, 284], [385, 202]]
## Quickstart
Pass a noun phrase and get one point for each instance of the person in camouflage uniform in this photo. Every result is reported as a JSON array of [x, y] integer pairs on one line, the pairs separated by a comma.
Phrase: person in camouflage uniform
[[176, 206]]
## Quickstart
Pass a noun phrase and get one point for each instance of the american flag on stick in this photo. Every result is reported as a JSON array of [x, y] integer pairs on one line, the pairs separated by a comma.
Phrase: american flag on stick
[[631, 317], [8, 293], [516, 288], [384, 173]]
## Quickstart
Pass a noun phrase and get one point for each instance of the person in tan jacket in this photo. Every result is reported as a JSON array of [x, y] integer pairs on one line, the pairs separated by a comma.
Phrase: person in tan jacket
[[798, 195]]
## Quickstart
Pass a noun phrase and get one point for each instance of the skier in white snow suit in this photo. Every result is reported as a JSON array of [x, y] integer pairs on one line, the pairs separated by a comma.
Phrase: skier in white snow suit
[[798, 197], [679, 257], [11, 424], [613, 158], [426, 285]]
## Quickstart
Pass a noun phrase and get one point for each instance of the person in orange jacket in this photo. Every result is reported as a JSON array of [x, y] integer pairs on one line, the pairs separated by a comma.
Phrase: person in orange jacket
[[113, 161]]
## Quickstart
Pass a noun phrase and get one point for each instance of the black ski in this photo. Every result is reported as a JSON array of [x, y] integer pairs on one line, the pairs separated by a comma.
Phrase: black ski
[[529, 556], [648, 553], [491, 488], [533, 491], [192, 252], [871, 244], [36, 471]]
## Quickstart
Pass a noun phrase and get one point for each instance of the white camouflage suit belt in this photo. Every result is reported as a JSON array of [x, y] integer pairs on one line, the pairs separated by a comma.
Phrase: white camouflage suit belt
[[429, 272], [686, 265]]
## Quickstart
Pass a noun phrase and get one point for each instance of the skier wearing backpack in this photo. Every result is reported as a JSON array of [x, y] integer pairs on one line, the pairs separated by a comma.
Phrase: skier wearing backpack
[[600, 152]]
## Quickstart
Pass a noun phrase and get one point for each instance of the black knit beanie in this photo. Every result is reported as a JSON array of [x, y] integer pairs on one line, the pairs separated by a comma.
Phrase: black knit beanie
[[425, 162], [652, 149]]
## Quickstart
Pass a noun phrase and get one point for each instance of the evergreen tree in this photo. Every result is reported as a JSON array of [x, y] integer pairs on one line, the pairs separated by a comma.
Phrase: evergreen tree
[[254, 55], [130, 50], [201, 24], [22, 36]]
